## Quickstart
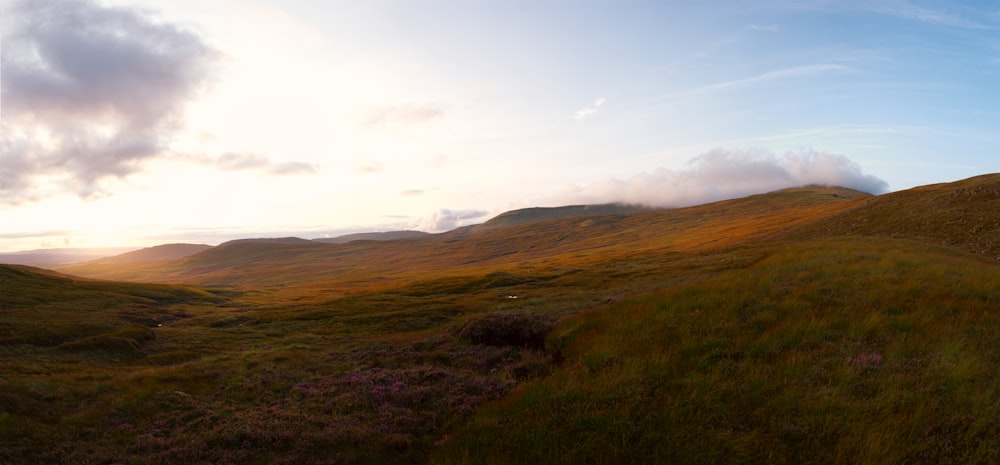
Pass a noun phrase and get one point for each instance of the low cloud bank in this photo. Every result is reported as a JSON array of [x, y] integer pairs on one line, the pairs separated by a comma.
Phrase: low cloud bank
[[446, 219], [723, 174]]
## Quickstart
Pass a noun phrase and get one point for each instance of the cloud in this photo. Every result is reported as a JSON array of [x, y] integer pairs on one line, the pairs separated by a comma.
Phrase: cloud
[[373, 166], [89, 93], [910, 11], [793, 72], [587, 112], [446, 220], [767, 27], [412, 192], [722, 174], [242, 161], [405, 114]]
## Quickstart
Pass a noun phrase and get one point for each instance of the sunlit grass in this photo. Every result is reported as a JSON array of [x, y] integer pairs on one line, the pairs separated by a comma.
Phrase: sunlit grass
[[747, 331], [843, 351]]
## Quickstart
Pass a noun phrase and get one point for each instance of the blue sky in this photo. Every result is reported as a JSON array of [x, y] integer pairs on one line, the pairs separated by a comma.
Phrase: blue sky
[[141, 122]]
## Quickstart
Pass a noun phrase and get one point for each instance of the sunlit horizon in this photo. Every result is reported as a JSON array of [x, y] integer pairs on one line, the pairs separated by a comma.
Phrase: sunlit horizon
[[136, 123]]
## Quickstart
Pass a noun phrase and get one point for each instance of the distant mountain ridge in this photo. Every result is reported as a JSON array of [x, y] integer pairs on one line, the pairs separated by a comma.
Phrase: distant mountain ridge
[[156, 253], [48, 258], [536, 214], [519, 236], [955, 214], [374, 236]]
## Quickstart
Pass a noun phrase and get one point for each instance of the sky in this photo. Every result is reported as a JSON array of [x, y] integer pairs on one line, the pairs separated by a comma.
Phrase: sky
[[140, 122]]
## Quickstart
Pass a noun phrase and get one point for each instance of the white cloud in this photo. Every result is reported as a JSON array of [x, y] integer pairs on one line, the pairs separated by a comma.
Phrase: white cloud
[[233, 161], [767, 27], [928, 15], [786, 73], [90, 92], [405, 114], [373, 166], [446, 219], [248, 161], [721, 174], [587, 112]]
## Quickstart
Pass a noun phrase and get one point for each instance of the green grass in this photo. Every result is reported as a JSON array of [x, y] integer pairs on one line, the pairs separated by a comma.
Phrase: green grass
[[834, 351], [810, 325]]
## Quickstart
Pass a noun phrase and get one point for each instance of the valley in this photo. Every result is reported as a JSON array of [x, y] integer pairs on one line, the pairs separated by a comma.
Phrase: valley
[[808, 325]]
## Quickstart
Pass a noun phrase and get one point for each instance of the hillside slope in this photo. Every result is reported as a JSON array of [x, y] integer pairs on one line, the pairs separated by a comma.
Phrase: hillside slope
[[568, 242], [834, 351], [44, 308], [750, 331], [157, 253], [536, 214], [962, 214], [375, 236], [48, 258]]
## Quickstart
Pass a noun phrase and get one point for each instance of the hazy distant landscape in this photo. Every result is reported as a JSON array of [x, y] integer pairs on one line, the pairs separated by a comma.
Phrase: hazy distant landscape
[[807, 325]]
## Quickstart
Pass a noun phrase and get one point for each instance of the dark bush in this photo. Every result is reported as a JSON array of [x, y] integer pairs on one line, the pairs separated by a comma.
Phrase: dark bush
[[509, 329]]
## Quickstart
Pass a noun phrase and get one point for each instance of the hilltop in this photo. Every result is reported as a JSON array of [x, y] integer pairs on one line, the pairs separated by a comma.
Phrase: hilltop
[[565, 241], [536, 214], [808, 325], [375, 236], [48, 258], [157, 253]]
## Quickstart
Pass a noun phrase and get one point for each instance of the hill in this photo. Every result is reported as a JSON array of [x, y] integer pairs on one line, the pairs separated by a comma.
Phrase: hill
[[777, 328], [374, 236], [48, 258], [155, 254], [566, 242], [961, 214], [536, 214], [44, 308]]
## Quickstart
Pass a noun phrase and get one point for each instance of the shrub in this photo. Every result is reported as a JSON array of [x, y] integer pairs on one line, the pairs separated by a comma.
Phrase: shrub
[[508, 329]]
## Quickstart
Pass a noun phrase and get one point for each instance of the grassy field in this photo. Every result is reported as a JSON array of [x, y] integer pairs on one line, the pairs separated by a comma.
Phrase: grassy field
[[811, 325], [834, 351]]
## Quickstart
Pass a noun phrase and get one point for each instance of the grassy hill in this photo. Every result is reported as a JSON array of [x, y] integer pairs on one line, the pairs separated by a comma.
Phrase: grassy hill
[[47, 258], [573, 241], [848, 350], [536, 214], [809, 325], [374, 236], [157, 253]]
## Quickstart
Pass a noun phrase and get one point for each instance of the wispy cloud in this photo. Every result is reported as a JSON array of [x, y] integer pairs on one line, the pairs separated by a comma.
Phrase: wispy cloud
[[249, 161], [779, 74], [766, 27], [786, 73], [907, 10], [587, 112], [90, 92], [404, 114], [723, 174], [373, 166], [234, 161]]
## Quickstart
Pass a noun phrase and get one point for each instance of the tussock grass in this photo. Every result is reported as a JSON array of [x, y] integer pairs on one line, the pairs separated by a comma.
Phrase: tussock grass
[[834, 351], [746, 331]]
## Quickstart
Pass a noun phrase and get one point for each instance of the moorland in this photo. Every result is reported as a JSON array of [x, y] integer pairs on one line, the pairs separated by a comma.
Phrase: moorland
[[811, 325]]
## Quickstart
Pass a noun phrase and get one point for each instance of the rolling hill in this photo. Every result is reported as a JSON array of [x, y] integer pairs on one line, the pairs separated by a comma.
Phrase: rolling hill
[[48, 258], [374, 236], [809, 325], [570, 241], [536, 214], [157, 253]]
